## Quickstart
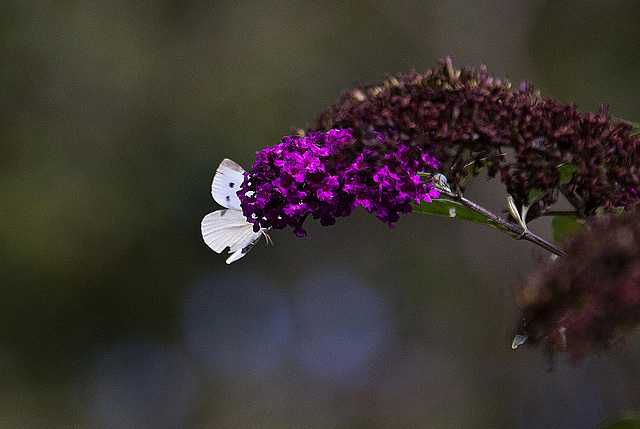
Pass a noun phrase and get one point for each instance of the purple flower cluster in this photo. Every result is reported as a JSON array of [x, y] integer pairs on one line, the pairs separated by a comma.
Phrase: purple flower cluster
[[328, 175]]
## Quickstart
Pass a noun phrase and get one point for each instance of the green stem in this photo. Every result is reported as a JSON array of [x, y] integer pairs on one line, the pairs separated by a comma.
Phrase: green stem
[[574, 200], [511, 227]]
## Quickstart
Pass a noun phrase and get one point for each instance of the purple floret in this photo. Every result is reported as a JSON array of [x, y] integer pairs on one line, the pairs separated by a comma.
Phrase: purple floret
[[329, 174]]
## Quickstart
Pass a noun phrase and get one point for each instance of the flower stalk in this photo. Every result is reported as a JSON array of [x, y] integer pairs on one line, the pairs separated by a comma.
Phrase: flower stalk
[[510, 227]]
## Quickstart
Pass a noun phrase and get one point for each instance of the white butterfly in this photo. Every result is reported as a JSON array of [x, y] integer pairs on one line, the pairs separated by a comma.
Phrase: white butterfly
[[228, 227]]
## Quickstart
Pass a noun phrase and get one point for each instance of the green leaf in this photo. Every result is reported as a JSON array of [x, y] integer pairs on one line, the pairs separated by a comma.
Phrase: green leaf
[[635, 125], [453, 209], [600, 212], [564, 227], [628, 421], [475, 167], [566, 172]]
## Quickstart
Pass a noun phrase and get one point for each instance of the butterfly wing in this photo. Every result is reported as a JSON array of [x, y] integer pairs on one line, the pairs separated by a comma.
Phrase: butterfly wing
[[243, 246], [229, 228], [229, 176]]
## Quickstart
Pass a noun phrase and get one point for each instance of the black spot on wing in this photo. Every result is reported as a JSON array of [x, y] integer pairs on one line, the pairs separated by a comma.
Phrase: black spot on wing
[[228, 198], [231, 184], [223, 212]]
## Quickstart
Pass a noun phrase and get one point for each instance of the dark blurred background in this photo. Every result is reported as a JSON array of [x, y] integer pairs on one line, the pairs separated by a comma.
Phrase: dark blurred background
[[115, 314]]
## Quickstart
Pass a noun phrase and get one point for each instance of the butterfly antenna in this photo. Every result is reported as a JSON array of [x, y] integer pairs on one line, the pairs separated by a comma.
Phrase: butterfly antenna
[[267, 238]]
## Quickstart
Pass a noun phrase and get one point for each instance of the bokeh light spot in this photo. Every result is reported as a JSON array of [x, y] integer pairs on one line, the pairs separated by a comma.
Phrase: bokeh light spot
[[238, 324], [341, 325]]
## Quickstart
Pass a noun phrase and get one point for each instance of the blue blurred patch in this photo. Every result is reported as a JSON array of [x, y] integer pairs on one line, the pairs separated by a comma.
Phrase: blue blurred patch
[[342, 326], [238, 324]]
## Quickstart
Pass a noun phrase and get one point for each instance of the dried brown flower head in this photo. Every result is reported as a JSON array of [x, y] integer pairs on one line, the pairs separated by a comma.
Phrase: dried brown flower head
[[469, 120], [590, 299]]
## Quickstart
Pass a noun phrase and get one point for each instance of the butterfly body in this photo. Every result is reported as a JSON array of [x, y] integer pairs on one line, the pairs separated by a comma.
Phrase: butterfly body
[[228, 227]]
